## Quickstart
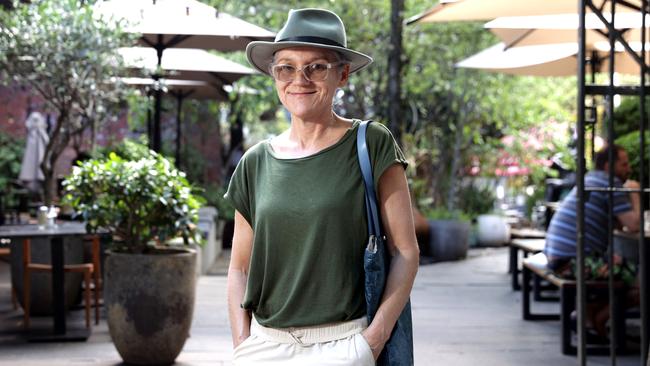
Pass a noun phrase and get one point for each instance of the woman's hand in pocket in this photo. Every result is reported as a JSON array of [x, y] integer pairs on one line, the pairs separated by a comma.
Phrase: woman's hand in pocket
[[375, 340]]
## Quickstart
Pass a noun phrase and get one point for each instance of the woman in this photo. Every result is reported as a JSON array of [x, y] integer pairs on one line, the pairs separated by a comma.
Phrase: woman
[[295, 282]]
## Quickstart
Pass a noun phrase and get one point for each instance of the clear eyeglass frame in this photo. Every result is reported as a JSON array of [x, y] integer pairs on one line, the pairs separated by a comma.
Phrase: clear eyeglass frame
[[317, 71]]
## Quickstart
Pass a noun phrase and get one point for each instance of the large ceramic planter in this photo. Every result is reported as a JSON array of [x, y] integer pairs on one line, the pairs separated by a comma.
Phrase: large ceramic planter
[[149, 300], [448, 240]]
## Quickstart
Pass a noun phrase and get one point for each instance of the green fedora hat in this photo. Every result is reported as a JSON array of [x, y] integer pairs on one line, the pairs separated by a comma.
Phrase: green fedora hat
[[307, 28]]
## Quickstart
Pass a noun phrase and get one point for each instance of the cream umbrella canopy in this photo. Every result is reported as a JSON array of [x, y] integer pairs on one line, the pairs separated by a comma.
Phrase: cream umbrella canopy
[[183, 24], [165, 24], [562, 28], [186, 64], [458, 10], [546, 60]]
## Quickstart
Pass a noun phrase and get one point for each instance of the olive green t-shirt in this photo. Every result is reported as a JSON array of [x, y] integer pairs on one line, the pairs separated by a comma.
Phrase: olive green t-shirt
[[309, 222]]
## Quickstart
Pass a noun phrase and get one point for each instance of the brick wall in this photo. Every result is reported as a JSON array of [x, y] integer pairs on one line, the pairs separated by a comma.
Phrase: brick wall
[[204, 136]]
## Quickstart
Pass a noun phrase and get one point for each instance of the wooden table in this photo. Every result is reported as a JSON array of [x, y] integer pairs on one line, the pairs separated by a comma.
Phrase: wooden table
[[55, 236]]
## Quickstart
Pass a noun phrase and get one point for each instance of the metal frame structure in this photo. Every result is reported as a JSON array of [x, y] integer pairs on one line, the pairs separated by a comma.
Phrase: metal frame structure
[[586, 91]]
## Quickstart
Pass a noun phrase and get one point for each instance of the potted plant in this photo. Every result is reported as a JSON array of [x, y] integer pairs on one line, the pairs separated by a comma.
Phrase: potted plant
[[448, 235], [149, 285]]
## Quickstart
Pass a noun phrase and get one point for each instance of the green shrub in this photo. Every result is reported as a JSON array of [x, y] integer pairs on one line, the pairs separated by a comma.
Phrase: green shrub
[[140, 201], [11, 153], [474, 201], [439, 213]]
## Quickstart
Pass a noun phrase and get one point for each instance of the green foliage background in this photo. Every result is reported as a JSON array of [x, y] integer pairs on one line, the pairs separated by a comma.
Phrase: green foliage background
[[61, 51], [443, 107]]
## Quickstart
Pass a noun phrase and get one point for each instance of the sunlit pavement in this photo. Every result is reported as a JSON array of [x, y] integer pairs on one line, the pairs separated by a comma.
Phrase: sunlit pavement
[[464, 314]]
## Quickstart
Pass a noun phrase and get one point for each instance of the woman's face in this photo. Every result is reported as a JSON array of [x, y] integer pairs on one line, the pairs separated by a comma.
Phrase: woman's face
[[306, 99]]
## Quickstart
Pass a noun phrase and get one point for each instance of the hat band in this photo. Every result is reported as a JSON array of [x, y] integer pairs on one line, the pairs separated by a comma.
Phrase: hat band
[[309, 39]]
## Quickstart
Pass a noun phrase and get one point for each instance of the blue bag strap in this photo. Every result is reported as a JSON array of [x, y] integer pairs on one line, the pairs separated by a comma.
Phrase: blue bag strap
[[372, 211]]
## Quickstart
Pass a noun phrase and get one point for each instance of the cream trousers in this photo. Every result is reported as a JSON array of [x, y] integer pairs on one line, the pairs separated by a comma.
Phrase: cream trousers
[[339, 344]]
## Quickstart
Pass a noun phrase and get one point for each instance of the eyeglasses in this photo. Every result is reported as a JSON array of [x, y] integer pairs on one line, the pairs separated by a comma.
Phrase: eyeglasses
[[312, 72]]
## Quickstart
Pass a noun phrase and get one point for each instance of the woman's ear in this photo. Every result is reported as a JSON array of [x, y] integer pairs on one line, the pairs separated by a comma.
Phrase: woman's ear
[[345, 75]]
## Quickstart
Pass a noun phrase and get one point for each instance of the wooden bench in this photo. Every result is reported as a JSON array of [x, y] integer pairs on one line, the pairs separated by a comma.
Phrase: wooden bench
[[536, 265], [527, 246]]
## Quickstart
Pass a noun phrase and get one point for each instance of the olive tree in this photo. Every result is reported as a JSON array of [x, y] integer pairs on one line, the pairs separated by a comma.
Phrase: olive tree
[[60, 50]]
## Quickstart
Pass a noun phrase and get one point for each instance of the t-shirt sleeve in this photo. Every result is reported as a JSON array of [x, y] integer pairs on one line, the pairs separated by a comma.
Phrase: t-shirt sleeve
[[383, 149], [238, 194]]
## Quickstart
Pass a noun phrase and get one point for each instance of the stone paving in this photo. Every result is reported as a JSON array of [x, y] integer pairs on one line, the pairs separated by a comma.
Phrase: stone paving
[[464, 314]]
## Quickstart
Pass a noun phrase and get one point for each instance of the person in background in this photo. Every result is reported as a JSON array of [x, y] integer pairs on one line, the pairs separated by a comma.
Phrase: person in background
[[561, 236], [296, 276]]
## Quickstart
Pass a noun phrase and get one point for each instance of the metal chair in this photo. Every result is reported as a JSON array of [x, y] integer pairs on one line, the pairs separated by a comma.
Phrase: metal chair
[[89, 270]]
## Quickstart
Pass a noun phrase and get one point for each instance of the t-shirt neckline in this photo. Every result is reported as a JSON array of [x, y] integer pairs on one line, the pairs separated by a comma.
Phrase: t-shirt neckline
[[269, 148]]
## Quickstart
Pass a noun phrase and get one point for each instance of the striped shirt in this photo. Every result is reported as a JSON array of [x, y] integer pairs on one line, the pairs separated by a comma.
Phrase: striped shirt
[[561, 236]]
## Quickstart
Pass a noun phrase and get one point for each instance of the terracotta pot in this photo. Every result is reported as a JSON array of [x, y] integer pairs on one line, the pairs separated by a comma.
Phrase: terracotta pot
[[149, 301]]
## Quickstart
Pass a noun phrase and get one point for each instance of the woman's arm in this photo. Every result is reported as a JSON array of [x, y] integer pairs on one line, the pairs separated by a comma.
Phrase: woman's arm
[[397, 219], [242, 244]]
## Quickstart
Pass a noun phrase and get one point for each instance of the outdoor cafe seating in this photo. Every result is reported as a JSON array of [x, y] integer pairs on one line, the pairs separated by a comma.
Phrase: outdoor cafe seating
[[19, 238]]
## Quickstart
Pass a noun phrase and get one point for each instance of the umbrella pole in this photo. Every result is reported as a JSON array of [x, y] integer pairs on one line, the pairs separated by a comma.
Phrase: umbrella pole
[[180, 98], [179, 107], [149, 121], [160, 47], [156, 116]]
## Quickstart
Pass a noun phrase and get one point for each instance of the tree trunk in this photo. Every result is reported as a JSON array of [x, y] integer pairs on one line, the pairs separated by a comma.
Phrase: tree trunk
[[395, 68], [455, 160], [58, 141]]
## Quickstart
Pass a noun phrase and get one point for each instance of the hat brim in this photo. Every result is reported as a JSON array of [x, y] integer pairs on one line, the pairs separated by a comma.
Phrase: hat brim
[[260, 54]]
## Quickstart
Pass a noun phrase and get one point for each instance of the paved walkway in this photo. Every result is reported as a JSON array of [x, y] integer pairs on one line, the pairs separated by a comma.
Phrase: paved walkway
[[464, 314]]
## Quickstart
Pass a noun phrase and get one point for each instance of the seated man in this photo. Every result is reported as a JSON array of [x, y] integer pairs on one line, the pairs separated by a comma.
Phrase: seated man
[[561, 236]]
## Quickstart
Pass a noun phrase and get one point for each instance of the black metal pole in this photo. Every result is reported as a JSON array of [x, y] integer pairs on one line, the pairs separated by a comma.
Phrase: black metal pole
[[644, 280], [149, 121], [156, 143], [158, 97], [610, 196], [594, 63], [179, 107], [580, 186]]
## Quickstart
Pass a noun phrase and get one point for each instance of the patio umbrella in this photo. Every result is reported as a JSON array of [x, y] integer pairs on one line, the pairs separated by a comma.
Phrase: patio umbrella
[[562, 28], [164, 24], [186, 64], [448, 10], [37, 139], [546, 60], [180, 89], [182, 66]]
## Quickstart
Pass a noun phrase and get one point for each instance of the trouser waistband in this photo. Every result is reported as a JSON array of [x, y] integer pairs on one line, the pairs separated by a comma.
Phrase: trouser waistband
[[311, 334]]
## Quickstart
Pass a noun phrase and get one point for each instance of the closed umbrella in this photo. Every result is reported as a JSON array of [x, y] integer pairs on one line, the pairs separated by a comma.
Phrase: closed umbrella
[[31, 174]]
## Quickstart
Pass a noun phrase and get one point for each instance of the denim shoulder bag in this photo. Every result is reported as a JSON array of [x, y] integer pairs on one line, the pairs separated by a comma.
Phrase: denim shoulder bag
[[399, 348]]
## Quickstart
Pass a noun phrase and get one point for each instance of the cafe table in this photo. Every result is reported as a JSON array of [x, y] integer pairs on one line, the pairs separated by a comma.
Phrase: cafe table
[[55, 235]]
